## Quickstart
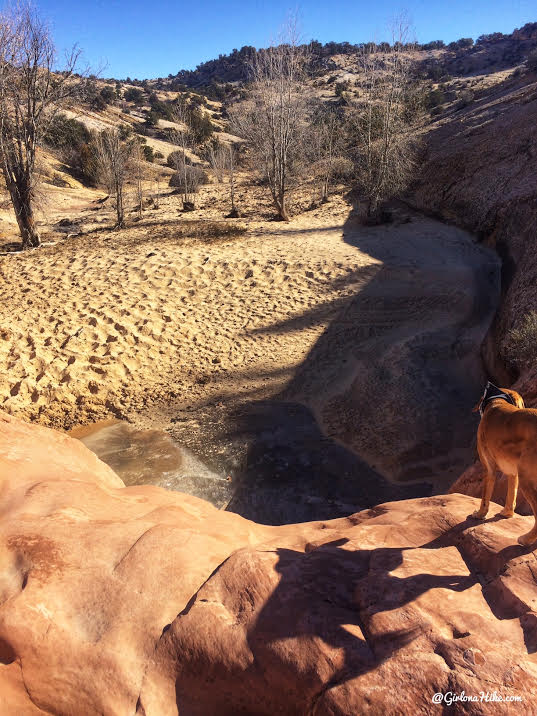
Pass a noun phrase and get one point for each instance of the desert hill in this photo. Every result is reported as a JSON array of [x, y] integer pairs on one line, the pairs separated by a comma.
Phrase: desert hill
[[463, 57]]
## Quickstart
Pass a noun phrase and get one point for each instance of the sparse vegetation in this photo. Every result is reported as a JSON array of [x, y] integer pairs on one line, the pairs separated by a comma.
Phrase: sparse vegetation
[[210, 231], [295, 142]]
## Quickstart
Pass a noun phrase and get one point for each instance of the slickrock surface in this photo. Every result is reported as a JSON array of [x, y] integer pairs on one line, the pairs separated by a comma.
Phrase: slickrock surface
[[122, 600]]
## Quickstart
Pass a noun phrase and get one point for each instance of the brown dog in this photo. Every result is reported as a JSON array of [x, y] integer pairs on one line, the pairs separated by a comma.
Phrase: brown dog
[[507, 441]]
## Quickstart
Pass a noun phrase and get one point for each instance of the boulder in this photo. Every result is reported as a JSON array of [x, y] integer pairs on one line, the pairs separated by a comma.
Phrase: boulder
[[138, 600]]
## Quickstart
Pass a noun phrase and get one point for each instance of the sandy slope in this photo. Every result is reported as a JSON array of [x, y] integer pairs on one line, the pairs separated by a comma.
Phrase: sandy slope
[[108, 322]]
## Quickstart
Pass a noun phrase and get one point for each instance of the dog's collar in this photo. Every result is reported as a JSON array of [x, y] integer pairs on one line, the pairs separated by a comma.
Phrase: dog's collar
[[492, 392]]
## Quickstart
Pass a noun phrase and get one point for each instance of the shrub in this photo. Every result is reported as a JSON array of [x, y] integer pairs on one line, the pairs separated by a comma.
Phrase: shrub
[[521, 344], [342, 87], [159, 108], [75, 144], [135, 95], [435, 70], [151, 119], [435, 97], [343, 170], [531, 61], [125, 131], [195, 177], [108, 94], [462, 44], [83, 160], [149, 154], [175, 159], [201, 125], [64, 132], [435, 45], [466, 97], [198, 99]]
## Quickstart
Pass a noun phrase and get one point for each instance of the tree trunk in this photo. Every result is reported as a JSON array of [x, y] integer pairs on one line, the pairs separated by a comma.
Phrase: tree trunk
[[119, 207], [283, 214], [324, 190], [140, 193], [22, 204], [232, 181], [371, 206]]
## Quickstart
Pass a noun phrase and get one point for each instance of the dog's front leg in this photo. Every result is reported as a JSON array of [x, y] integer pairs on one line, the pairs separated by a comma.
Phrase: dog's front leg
[[488, 486], [510, 500]]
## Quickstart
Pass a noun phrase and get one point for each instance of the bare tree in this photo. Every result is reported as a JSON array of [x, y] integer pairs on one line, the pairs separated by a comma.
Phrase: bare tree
[[326, 147], [138, 171], [157, 196], [274, 118], [234, 213], [31, 92], [114, 162], [217, 156], [184, 178], [384, 143], [222, 160]]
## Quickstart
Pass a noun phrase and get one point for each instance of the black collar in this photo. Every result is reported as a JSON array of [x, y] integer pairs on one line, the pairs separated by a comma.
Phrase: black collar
[[492, 392]]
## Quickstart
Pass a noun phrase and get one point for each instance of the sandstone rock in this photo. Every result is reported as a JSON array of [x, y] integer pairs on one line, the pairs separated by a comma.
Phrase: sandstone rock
[[479, 173], [123, 600]]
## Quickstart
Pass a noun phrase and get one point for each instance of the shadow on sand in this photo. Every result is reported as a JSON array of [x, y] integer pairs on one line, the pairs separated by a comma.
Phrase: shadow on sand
[[384, 397]]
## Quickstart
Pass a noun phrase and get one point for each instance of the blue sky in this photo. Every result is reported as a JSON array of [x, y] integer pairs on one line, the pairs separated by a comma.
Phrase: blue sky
[[152, 38]]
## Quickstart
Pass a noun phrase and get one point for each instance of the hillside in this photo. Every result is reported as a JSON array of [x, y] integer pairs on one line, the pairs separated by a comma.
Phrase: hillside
[[464, 57]]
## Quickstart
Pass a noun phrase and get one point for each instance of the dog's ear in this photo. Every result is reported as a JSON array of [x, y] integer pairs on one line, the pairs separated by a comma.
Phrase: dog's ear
[[519, 401], [476, 407]]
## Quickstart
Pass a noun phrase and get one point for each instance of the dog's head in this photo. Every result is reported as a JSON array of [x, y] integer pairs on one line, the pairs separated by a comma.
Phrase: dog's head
[[492, 391]]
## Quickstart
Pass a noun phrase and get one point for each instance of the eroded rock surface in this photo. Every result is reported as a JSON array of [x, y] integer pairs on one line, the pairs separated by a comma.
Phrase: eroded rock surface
[[480, 172], [122, 600]]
